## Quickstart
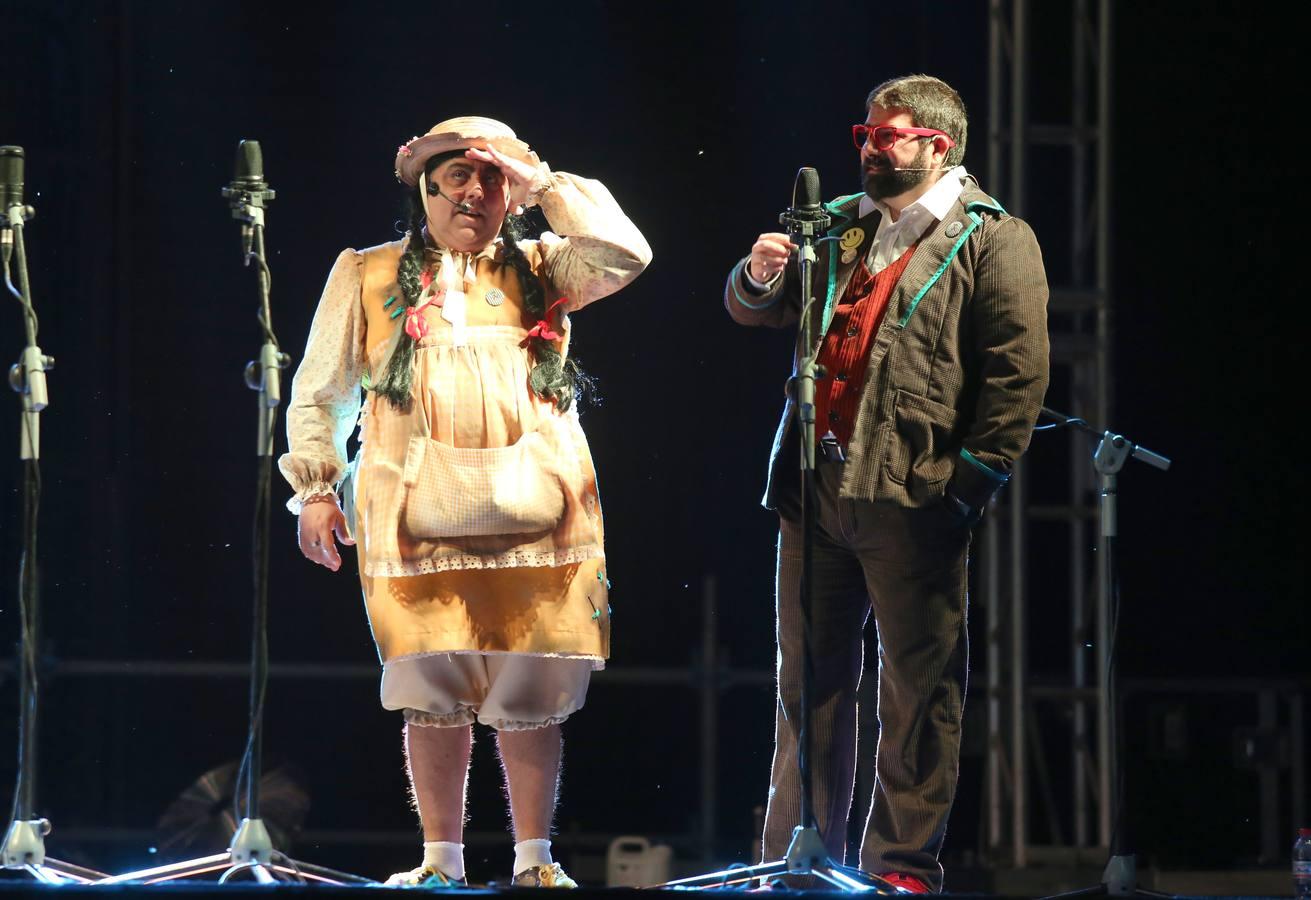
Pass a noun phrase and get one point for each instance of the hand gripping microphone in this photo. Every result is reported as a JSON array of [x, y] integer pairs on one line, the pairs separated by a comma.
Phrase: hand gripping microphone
[[248, 193]]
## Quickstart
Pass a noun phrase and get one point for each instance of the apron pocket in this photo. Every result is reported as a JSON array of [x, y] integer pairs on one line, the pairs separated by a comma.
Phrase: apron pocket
[[468, 492]]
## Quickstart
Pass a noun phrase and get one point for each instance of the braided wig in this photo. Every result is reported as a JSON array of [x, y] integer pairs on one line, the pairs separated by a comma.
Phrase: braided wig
[[552, 377]]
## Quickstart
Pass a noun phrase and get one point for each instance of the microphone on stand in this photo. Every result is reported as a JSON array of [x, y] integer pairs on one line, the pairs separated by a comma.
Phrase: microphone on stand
[[11, 195], [805, 219], [246, 195], [248, 192], [11, 177], [806, 216]]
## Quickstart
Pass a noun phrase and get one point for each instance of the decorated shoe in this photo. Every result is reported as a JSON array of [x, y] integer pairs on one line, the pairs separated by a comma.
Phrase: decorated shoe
[[425, 877], [907, 884], [551, 876]]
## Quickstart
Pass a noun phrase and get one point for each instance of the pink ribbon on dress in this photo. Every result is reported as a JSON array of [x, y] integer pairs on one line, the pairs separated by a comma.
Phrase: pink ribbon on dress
[[416, 326], [543, 327]]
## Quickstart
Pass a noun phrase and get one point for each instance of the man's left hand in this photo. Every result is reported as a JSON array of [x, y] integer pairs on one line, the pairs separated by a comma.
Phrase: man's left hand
[[962, 513], [518, 175]]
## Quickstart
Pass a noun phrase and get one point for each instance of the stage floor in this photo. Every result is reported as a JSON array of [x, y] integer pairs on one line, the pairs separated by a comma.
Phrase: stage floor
[[1254, 883]]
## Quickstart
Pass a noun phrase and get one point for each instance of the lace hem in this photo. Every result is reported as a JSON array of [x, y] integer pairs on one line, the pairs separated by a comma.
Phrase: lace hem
[[511, 559], [466, 716], [462, 716], [314, 491]]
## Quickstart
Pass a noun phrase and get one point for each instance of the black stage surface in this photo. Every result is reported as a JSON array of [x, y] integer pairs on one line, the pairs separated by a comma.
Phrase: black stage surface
[[21, 891], [1033, 882]]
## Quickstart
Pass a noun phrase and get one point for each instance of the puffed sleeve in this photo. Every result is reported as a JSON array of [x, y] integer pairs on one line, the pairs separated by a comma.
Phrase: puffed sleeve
[[592, 249], [325, 394]]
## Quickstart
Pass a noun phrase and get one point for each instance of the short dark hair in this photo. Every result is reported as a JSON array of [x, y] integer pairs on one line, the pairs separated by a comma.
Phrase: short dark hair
[[931, 102]]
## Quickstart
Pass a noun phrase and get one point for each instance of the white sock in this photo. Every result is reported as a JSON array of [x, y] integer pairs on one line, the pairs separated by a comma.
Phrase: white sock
[[531, 854], [445, 856]]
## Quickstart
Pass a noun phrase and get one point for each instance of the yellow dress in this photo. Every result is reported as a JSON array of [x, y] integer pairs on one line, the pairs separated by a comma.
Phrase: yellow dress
[[476, 512]]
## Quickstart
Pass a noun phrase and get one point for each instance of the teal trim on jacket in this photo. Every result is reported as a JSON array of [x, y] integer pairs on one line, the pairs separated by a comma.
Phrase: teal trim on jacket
[[975, 221], [735, 278], [831, 290], [999, 477]]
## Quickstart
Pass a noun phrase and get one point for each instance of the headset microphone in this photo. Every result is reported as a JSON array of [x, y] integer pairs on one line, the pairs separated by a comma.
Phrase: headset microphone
[[434, 191]]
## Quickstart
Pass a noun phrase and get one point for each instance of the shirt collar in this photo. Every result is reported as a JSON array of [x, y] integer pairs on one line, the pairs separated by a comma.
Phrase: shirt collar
[[937, 200]]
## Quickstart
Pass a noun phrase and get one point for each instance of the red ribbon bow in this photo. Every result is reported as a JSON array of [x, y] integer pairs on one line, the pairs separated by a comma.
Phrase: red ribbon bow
[[416, 326], [543, 327]]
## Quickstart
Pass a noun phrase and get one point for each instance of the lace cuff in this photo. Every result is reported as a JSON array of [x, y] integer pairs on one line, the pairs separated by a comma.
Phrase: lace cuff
[[317, 490], [543, 181]]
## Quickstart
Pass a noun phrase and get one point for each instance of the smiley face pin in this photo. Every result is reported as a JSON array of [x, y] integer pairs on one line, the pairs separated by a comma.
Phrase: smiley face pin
[[850, 242]]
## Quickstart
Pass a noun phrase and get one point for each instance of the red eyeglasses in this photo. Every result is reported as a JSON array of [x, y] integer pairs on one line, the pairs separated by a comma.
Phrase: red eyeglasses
[[884, 136]]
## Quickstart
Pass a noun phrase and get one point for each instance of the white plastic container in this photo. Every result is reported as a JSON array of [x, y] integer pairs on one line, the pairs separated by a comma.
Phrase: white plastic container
[[634, 862]]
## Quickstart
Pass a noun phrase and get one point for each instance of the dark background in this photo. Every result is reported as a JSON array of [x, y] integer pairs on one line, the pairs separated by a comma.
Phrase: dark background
[[696, 116]]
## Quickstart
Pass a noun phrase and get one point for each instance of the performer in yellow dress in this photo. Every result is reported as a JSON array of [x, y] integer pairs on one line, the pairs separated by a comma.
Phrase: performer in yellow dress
[[472, 502]]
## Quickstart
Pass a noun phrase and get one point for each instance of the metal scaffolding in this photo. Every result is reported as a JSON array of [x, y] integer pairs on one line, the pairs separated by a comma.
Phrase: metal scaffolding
[[1023, 155]]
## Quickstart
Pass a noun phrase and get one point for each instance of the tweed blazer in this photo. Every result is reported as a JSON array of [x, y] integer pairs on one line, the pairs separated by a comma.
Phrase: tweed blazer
[[958, 367]]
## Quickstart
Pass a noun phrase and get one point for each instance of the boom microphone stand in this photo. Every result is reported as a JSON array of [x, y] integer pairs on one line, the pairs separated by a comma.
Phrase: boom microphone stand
[[24, 844], [252, 848], [1120, 877], [806, 854]]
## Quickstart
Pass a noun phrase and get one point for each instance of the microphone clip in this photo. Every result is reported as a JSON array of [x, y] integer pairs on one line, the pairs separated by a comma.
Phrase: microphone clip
[[247, 200], [805, 223]]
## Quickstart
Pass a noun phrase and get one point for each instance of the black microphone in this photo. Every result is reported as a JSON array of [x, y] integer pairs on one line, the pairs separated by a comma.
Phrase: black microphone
[[807, 187], [11, 177], [250, 166], [248, 192], [11, 193], [806, 217], [434, 191], [250, 177]]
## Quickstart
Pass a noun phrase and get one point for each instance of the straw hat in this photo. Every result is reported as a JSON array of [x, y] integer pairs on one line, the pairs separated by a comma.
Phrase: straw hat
[[459, 133]]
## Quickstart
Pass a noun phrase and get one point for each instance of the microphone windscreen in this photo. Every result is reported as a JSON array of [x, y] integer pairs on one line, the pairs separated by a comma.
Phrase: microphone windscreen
[[805, 193], [11, 175], [250, 162]]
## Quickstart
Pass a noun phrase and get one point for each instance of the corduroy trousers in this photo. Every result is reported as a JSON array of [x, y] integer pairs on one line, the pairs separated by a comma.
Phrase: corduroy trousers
[[908, 568]]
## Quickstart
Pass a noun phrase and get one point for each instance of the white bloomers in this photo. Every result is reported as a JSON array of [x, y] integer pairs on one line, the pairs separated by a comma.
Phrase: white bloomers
[[505, 691]]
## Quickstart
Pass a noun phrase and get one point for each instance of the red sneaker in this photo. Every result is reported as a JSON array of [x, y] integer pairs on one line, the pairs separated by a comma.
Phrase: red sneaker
[[907, 884]]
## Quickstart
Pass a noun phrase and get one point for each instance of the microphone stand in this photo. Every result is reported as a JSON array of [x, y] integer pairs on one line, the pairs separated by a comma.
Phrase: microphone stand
[[252, 848], [806, 854], [1120, 877], [24, 842]]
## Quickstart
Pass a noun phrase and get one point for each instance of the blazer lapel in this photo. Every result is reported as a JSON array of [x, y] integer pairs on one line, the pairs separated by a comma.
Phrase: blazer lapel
[[935, 248], [844, 211]]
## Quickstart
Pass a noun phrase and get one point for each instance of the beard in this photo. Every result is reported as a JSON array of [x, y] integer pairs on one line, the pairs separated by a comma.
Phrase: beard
[[888, 182]]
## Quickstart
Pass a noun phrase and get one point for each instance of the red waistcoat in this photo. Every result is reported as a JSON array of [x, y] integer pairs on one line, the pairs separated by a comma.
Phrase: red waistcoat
[[844, 355]]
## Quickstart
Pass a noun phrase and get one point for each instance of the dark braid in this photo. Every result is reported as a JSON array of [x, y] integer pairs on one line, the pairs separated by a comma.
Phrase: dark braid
[[552, 377], [397, 381]]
